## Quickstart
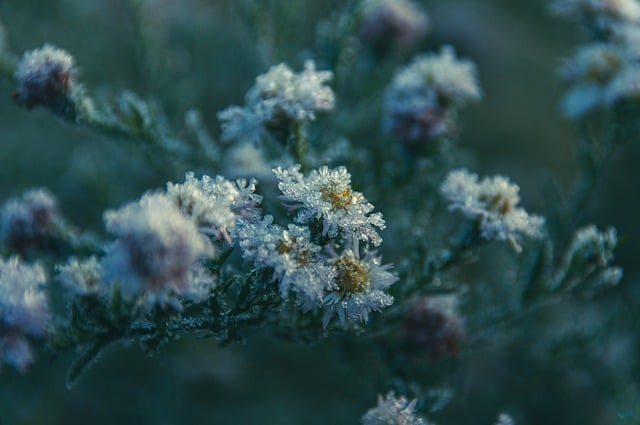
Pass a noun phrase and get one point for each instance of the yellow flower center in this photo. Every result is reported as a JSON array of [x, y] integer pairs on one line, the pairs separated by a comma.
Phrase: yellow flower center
[[497, 204], [302, 256], [339, 200], [353, 276]]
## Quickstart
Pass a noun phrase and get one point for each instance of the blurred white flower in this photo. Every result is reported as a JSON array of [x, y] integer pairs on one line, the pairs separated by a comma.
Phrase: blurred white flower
[[391, 23], [82, 276], [392, 410]]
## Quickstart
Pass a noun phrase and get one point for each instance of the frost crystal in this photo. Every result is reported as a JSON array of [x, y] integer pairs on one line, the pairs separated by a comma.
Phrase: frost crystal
[[82, 276], [359, 288], [295, 260], [423, 97], [25, 221], [215, 204], [493, 201], [278, 98], [392, 22], [43, 75], [24, 312], [326, 195], [393, 411], [155, 250]]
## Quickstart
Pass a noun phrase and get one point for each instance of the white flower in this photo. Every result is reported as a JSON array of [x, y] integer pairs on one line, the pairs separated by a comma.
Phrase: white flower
[[245, 159], [393, 411], [605, 12], [359, 287], [389, 22], [296, 262], [26, 220], [43, 75], [423, 95], [493, 201], [82, 276], [216, 203], [625, 85], [505, 419], [155, 250], [24, 311], [326, 195], [277, 97]]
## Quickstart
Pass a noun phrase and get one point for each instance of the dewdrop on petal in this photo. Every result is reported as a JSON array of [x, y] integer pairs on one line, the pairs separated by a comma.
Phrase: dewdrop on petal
[[390, 23], [24, 311], [392, 410], [45, 76], [25, 221], [493, 202], [156, 249], [423, 97]]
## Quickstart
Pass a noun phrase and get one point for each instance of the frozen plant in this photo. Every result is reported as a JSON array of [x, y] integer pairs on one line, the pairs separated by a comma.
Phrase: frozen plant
[[278, 101], [603, 13], [24, 310], [82, 276], [155, 251], [392, 410], [422, 100], [493, 201], [391, 23]]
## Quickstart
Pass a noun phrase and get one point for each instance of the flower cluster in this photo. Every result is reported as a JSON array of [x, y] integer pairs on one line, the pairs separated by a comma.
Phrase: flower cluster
[[423, 97], [215, 204], [154, 254], [493, 202], [604, 72], [322, 265], [390, 23], [24, 311], [279, 99], [392, 410], [27, 220]]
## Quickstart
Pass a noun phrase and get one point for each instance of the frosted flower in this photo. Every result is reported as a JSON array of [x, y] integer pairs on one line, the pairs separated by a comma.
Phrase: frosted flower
[[603, 12], [505, 419], [155, 249], [422, 99], [82, 276], [326, 195], [26, 220], [215, 204], [296, 262], [44, 76], [386, 23], [393, 411], [493, 201], [433, 324], [277, 99], [359, 288], [24, 312]]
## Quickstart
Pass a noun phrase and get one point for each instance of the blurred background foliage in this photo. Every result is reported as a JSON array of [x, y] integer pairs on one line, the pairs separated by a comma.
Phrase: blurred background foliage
[[572, 363]]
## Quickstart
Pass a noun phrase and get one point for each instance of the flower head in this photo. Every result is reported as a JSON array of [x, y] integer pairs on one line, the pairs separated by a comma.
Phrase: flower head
[[392, 410], [360, 287], [603, 13], [389, 23], [279, 98], [326, 195], [26, 220], [215, 204], [82, 276], [45, 76], [493, 201], [155, 250], [422, 99], [24, 311]]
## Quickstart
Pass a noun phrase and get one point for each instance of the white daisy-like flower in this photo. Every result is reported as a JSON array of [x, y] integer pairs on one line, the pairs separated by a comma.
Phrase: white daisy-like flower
[[493, 201], [296, 262], [392, 410], [326, 195], [27, 219], [82, 276], [215, 204], [423, 95], [155, 250], [44, 74], [360, 287], [277, 97], [24, 311]]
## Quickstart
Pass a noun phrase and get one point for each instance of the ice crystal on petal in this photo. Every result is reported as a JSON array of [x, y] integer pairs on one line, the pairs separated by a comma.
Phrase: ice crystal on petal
[[24, 310], [326, 195], [359, 288], [216, 203], [493, 201], [392, 410], [155, 251]]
